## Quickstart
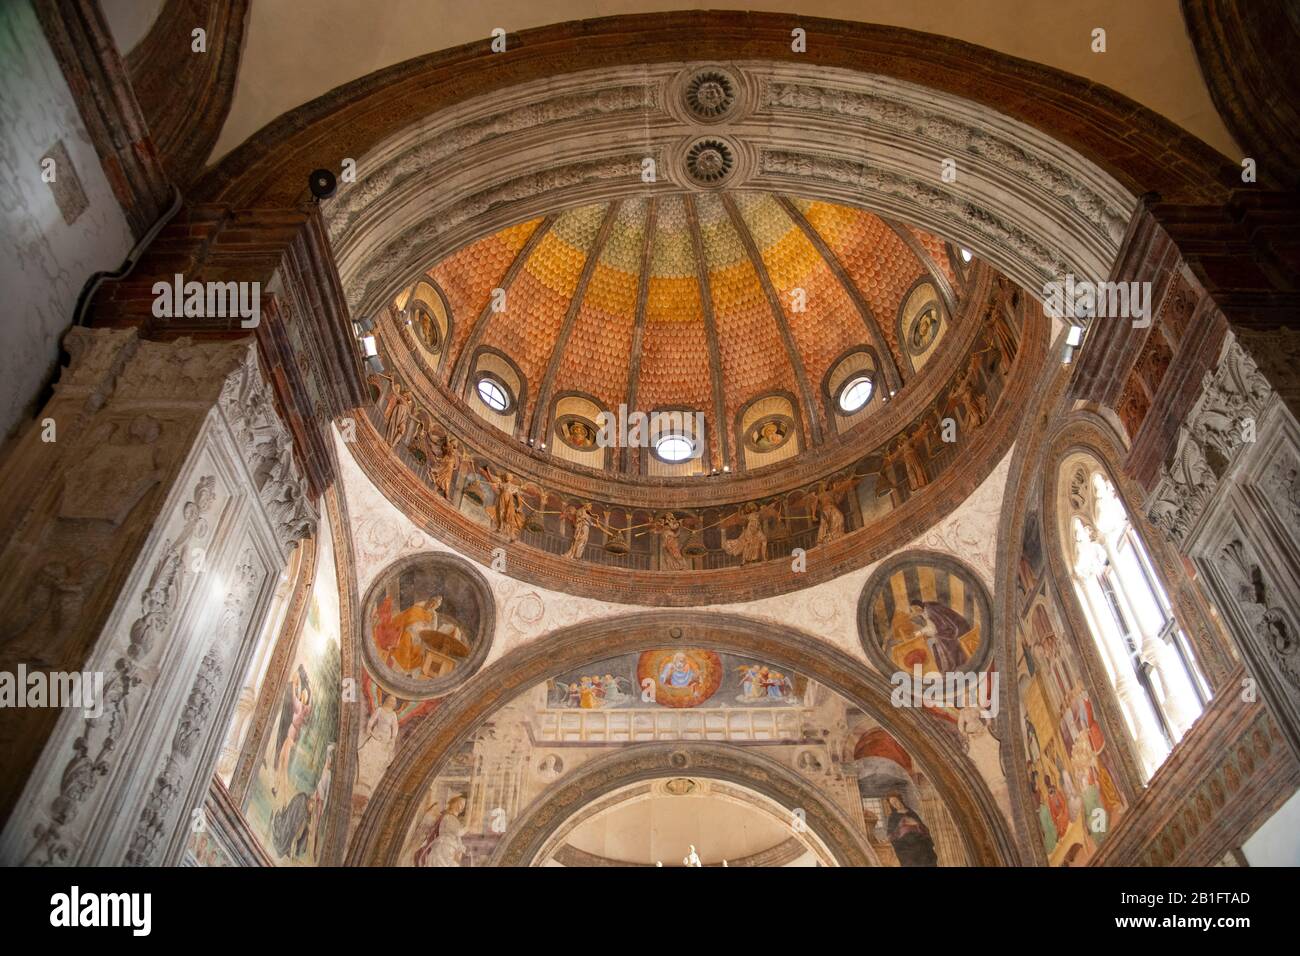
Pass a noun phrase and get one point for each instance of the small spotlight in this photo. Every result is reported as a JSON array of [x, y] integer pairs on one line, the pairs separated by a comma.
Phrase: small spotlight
[[966, 255]]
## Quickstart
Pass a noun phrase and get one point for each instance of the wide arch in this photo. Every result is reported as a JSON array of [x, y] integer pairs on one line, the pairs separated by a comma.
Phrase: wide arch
[[528, 835], [389, 814], [1129, 141]]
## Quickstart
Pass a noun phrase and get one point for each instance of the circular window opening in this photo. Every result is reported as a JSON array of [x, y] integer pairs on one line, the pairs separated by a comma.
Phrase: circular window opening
[[855, 393], [494, 394], [674, 448]]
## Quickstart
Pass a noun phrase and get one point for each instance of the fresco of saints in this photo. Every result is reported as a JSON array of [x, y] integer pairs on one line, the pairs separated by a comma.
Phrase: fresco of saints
[[942, 628], [401, 637], [1056, 806], [443, 845], [909, 837], [378, 744], [294, 711], [679, 672], [751, 687], [320, 801]]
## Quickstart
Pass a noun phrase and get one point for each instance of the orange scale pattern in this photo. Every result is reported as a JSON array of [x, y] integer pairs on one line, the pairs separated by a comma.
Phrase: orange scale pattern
[[938, 252], [596, 359], [877, 261], [468, 276]]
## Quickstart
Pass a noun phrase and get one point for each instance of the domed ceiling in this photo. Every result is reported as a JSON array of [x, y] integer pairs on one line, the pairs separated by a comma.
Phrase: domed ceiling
[[707, 302], [854, 379]]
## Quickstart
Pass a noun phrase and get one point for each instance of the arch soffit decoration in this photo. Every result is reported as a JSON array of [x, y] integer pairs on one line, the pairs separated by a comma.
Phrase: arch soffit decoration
[[837, 135], [1142, 150], [557, 846], [527, 838], [388, 816]]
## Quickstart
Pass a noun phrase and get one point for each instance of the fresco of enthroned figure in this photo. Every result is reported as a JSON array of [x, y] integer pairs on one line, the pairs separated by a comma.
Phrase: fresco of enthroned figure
[[928, 615]]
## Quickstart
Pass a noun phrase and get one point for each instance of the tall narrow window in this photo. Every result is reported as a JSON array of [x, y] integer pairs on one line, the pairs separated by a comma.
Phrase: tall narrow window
[[1146, 654]]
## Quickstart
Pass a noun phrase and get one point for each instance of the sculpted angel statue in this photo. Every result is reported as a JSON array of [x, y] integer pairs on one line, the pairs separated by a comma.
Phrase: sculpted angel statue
[[582, 518], [751, 544], [508, 509]]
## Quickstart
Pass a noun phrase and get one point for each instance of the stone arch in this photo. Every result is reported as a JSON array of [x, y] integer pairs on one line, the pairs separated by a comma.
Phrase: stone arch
[[528, 835], [389, 814], [1032, 488]]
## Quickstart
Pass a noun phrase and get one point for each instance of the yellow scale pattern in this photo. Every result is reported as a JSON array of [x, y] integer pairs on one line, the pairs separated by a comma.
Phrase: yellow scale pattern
[[596, 360], [875, 258], [754, 359], [539, 297], [829, 324]]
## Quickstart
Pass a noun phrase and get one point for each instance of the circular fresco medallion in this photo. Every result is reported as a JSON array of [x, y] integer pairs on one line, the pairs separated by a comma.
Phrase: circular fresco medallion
[[769, 433], [681, 677], [925, 609], [577, 432], [428, 623], [924, 329]]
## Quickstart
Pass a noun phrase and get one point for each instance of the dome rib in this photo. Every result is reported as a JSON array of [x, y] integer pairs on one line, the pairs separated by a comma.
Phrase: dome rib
[[541, 408], [811, 410], [638, 326], [721, 439], [851, 289], [464, 358]]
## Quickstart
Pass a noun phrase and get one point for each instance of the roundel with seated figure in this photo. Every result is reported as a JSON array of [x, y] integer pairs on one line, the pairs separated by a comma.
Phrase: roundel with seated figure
[[925, 610], [428, 623]]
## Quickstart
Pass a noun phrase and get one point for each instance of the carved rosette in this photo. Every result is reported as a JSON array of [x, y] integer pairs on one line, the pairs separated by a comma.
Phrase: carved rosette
[[1209, 441]]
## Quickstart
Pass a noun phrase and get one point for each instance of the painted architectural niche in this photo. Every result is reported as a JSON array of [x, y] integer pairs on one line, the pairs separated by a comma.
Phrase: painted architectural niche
[[1070, 768], [536, 744]]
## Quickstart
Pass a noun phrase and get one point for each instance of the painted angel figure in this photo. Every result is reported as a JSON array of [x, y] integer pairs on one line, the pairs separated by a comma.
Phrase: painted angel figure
[[508, 510], [399, 411], [823, 504], [671, 558], [444, 466], [751, 544], [443, 845], [582, 518], [294, 711]]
